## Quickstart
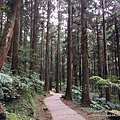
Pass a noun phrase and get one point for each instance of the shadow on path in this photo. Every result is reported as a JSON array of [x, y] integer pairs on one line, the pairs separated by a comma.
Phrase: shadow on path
[[59, 110]]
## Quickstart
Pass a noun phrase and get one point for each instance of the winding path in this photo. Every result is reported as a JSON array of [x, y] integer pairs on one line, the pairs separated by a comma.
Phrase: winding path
[[59, 110]]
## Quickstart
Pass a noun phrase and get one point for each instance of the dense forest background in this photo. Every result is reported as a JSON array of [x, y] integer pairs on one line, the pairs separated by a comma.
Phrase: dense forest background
[[63, 43]]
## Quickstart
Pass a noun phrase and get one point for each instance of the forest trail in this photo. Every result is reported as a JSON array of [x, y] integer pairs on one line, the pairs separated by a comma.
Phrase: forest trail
[[59, 110]]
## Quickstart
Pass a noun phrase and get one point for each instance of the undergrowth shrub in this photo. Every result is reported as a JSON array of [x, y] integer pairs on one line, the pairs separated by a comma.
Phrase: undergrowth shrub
[[77, 94], [22, 90], [105, 88], [13, 116]]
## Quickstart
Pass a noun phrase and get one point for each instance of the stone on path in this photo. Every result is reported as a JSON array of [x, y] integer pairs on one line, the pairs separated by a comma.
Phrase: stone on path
[[59, 110]]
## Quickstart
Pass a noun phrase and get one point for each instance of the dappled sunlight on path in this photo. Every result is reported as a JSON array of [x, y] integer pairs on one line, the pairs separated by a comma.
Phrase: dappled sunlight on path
[[59, 110]]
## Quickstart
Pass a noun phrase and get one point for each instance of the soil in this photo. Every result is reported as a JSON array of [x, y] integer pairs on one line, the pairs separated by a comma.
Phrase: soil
[[87, 113], [42, 113]]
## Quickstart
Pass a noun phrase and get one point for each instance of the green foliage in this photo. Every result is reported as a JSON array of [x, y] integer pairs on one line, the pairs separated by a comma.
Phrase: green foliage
[[22, 90], [4, 9], [96, 106], [5, 78], [25, 106], [103, 82], [95, 78], [13, 116], [7, 89], [111, 106], [100, 84], [77, 95], [101, 104], [114, 79], [6, 68], [63, 87], [25, 84]]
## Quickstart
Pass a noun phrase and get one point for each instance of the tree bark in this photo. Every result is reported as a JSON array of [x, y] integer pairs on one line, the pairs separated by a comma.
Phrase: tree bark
[[51, 67], [41, 64], [16, 42], [118, 44], [47, 50], [98, 50], [8, 32], [34, 40], [63, 68], [105, 42], [68, 94], [58, 52], [85, 80]]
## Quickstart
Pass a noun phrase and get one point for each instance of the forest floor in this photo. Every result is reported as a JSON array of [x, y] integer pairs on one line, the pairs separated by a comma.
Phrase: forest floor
[[42, 112], [89, 114]]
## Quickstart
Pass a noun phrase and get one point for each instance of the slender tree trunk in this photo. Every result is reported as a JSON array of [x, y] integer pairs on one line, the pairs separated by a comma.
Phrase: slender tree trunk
[[80, 73], [85, 80], [41, 65], [16, 42], [47, 50], [1, 23], [106, 72], [98, 51], [116, 71], [94, 56], [68, 94], [118, 44], [8, 32], [51, 67], [1, 19], [75, 73], [63, 68], [31, 37], [105, 42], [58, 52], [21, 25], [79, 56], [34, 40]]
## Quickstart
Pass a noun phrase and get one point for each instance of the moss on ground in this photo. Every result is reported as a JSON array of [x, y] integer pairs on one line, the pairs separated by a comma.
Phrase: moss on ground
[[24, 107], [13, 116]]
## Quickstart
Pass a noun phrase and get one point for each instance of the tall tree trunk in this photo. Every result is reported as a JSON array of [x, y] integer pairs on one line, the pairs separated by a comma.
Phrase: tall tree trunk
[[79, 55], [41, 64], [105, 42], [58, 52], [63, 68], [75, 65], [118, 44], [34, 40], [21, 25], [1, 23], [116, 71], [68, 94], [16, 42], [94, 58], [8, 32], [85, 80], [106, 72], [51, 67], [1, 19], [47, 50], [98, 50], [31, 36]]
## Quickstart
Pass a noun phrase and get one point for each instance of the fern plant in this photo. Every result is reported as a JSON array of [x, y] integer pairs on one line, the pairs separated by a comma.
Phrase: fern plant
[[5, 78]]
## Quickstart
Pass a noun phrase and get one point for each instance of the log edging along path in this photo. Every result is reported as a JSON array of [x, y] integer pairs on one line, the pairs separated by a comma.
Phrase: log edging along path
[[59, 110]]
